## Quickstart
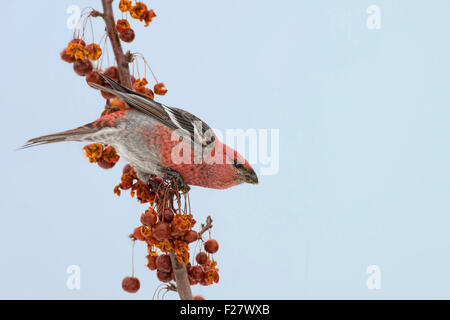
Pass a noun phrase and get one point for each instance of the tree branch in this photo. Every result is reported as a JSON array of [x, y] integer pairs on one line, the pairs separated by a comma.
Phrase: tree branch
[[179, 269], [122, 61], [181, 278]]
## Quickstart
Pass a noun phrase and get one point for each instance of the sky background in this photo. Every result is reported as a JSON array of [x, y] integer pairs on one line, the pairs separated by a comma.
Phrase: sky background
[[364, 149]]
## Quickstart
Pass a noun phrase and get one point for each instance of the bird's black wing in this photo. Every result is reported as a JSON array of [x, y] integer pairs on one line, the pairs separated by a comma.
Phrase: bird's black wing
[[174, 118]]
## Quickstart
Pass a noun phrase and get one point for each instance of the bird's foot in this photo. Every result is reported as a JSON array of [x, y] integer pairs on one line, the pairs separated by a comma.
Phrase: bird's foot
[[176, 179]]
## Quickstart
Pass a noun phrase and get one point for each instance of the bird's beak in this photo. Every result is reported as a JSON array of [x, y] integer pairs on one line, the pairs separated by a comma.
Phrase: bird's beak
[[251, 177]]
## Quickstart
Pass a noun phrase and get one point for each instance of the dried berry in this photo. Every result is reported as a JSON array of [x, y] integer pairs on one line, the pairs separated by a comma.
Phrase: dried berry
[[164, 276], [160, 89], [131, 284], [149, 217], [95, 77], [125, 5], [113, 73], [211, 246], [148, 17], [197, 273], [161, 231], [151, 262], [93, 51], [166, 215], [122, 25], [191, 236], [102, 163], [201, 258], [163, 263], [138, 10], [138, 234], [127, 35], [82, 67], [65, 57]]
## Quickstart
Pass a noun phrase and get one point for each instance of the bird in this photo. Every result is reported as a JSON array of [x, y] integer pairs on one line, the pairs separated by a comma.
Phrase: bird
[[162, 141]]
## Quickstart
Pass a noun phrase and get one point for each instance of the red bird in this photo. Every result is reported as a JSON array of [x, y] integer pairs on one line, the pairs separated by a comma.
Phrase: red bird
[[164, 141]]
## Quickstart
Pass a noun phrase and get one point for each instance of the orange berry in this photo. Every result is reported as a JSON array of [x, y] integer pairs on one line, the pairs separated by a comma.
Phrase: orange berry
[[198, 297], [160, 89], [151, 262], [122, 25], [93, 51], [138, 234]]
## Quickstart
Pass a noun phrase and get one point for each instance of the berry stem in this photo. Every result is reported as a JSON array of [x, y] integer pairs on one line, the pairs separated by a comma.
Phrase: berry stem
[[122, 63]]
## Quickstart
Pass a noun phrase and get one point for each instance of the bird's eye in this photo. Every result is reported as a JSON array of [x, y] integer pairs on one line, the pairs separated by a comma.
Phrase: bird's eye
[[238, 165]]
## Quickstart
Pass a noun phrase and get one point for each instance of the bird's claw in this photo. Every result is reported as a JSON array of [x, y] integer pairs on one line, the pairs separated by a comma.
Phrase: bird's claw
[[176, 178]]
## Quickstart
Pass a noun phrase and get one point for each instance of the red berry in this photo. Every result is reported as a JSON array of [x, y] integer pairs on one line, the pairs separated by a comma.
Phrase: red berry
[[163, 263], [113, 73], [102, 163], [161, 231], [198, 298], [137, 233], [80, 41], [201, 258], [95, 77], [166, 215], [197, 273], [149, 217], [65, 57], [211, 246], [164, 276], [127, 168], [130, 284], [127, 35], [82, 67], [151, 262], [191, 236]]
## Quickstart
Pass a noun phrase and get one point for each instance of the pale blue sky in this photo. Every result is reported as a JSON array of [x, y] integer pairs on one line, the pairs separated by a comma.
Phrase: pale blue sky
[[364, 158]]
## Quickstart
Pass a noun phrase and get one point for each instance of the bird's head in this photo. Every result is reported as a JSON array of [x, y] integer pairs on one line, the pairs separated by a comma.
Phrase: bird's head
[[243, 170]]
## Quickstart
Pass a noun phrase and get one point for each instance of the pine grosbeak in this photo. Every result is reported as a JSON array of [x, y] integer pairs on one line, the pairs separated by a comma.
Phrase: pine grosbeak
[[163, 141]]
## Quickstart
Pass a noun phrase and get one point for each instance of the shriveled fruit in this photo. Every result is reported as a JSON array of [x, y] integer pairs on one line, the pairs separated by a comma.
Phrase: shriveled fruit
[[197, 273], [161, 231], [166, 215]]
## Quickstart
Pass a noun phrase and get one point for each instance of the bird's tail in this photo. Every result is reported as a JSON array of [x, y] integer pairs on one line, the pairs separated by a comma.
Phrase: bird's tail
[[78, 134]]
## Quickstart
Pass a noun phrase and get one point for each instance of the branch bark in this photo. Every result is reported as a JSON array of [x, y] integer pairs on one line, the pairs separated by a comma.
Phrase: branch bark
[[181, 278], [122, 62], [179, 269]]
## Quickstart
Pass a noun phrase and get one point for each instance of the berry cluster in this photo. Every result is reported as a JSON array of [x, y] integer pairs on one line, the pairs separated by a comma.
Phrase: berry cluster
[[168, 230], [137, 11], [104, 155], [166, 227], [81, 55]]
